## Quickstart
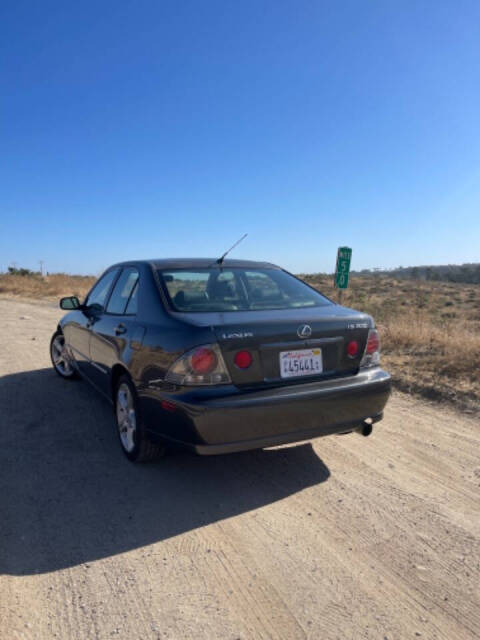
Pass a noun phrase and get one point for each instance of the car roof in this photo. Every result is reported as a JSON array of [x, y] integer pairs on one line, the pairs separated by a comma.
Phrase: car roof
[[196, 263]]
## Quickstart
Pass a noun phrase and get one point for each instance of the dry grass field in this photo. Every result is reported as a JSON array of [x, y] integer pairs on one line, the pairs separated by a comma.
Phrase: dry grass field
[[430, 331], [49, 287]]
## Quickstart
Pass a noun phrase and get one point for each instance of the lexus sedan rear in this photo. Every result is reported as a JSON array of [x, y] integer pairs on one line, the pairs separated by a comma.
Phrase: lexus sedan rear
[[220, 356]]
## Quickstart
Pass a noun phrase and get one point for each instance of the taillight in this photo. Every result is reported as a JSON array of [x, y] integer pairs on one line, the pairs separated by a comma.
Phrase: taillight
[[373, 343], [243, 359], [203, 360], [371, 356], [202, 365], [352, 349], [168, 406]]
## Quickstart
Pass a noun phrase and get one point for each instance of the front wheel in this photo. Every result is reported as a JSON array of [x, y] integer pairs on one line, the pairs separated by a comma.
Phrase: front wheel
[[60, 358], [135, 444]]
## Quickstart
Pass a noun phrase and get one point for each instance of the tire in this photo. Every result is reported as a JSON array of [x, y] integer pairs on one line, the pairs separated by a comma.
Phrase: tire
[[60, 360], [130, 428]]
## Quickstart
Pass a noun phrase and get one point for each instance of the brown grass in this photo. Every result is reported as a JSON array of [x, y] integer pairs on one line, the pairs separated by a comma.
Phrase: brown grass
[[50, 287], [430, 331]]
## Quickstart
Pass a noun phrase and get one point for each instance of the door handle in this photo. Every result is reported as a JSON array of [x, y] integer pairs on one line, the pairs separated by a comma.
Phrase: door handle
[[119, 329]]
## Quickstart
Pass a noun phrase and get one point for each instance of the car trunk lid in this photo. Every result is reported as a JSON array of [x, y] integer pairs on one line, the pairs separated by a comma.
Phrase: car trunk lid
[[267, 334]]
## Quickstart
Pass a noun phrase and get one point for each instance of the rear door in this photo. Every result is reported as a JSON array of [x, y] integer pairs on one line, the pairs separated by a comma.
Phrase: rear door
[[113, 330]]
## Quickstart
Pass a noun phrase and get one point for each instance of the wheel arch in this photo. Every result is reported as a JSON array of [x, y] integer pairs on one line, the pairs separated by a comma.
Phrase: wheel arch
[[118, 370]]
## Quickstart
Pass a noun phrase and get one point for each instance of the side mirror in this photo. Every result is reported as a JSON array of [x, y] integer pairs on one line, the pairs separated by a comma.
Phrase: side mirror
[[70, 303]]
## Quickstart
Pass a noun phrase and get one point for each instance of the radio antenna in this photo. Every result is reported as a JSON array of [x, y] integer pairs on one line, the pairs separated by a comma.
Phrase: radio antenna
[[220, 260]]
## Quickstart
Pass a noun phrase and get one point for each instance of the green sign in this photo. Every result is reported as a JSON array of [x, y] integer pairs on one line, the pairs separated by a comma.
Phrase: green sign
[[344, 256]]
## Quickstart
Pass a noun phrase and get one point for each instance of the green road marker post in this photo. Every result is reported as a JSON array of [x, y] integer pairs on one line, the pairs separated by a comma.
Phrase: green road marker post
[[342, 270]]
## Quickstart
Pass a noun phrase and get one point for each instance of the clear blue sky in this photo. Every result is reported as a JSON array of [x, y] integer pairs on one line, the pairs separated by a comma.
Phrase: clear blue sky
[[156, 129]]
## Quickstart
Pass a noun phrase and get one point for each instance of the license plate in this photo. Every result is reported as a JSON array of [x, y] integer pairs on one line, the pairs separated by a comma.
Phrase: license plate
[[304, 362]]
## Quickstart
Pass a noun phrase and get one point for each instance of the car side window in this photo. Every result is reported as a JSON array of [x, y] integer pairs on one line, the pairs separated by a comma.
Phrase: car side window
[[98, 295], [132, 303], [122, 291]]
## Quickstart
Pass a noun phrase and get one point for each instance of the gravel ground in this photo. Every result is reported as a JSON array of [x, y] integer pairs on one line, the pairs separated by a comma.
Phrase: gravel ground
[[343, 537]]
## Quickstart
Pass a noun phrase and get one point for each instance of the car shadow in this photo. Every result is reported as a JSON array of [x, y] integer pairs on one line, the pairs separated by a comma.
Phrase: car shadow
[[68, 495]]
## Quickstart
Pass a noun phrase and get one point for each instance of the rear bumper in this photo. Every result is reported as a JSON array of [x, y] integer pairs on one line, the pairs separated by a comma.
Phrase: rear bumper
[[251, 420]]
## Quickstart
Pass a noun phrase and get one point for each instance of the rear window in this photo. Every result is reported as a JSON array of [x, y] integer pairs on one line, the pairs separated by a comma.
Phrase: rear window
[[236, 289]]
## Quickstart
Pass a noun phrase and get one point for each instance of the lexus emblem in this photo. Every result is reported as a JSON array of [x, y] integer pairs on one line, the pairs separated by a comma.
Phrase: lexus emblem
[[304, 331]]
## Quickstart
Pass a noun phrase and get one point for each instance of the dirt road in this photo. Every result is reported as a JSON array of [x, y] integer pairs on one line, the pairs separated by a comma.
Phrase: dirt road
[[345, 537]]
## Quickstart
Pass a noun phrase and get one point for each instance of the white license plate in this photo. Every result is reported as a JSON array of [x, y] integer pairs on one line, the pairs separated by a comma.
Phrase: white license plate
[[303, 362]]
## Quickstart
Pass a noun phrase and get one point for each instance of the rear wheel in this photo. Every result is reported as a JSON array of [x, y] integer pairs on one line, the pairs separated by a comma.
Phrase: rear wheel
[[133, 439], [60, 359]]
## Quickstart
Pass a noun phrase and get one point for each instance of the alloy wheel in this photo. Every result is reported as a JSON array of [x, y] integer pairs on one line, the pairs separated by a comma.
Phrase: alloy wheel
[[60, 358], [126, 417]]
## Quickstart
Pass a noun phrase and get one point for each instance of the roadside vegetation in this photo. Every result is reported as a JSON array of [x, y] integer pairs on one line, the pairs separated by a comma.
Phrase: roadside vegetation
[[430, 330], [468, 273], [30, 284]]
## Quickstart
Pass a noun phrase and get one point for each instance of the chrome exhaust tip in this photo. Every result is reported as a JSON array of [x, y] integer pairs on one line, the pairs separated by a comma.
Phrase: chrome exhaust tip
[[366, 428]]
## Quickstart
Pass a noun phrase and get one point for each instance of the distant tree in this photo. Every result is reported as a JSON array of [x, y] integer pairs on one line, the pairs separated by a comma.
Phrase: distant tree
[[467, 273], [476, 275], [13, 271]]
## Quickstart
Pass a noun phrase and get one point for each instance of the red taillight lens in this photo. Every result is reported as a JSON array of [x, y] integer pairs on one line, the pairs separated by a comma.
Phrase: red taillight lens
[[168, 406], [199, 366], [352, 348], [373, 343], [243, 359], [203, 361]]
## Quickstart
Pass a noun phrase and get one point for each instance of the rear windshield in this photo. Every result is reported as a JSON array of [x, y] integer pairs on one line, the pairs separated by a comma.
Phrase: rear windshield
[[236, 289]]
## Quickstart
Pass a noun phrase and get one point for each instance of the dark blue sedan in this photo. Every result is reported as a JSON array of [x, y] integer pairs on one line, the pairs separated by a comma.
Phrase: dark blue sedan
[[220, 356]]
